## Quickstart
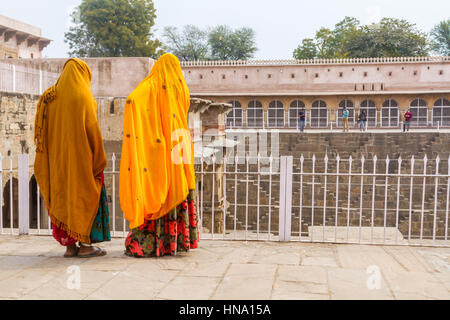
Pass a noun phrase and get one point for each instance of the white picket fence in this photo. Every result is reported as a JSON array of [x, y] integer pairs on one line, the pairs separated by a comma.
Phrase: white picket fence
[[367, 201]]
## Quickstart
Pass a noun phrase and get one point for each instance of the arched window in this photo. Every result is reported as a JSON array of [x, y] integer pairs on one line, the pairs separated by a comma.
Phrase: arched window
[[441, 113], [275, 114], [371, 111], [234, 118], [419, 109], [294, 110], [351, 112], [389, 113], [7, 203], [319, 114], [255, 114], [35, 205]]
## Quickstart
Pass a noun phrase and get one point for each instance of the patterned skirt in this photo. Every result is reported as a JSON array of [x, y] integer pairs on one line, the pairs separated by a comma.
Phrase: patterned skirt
[[100, 229], [175, 232]]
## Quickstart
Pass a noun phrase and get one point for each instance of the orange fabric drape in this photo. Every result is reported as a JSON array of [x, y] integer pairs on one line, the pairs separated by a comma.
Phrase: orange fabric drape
[[69, 151], [157, 161]]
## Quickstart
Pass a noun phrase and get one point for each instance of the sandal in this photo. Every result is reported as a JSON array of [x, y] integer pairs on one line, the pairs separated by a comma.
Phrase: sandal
[[97, 253]]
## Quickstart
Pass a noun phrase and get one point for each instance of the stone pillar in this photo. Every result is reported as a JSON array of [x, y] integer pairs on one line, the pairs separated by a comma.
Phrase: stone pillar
[[209, 119]]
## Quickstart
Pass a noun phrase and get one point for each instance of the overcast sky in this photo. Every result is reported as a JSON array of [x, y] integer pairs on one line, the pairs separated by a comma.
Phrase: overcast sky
[[280, 25]]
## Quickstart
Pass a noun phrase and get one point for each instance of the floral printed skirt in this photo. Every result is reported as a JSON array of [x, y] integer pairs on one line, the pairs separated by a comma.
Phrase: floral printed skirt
[[175, 232]]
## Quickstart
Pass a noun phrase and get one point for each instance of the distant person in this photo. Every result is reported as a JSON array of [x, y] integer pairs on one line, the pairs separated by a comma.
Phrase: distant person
[[362, 120], [407, 117], [70, 159], [345, 114], [302, 116]]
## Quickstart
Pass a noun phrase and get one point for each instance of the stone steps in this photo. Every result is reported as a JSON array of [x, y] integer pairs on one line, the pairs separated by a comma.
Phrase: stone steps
[[355, 145]]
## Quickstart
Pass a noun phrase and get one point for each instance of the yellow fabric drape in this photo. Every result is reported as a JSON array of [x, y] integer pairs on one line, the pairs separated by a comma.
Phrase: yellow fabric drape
[[69, 151], [157, 161]]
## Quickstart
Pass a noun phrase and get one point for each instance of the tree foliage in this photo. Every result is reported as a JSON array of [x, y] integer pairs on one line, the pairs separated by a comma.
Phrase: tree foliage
[[190, 44], [113, 28], [389, 38], [218, 43], [350, 39], [228, 44], [307, 50], [441, 38]]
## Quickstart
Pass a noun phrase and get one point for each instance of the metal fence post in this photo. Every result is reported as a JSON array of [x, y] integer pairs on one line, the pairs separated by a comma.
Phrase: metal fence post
[[285, 214], [113, 160], [265, 118], [24, 197]]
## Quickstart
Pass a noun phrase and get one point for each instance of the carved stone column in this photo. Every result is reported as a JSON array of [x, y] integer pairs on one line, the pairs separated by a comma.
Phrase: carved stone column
[[207, 124]]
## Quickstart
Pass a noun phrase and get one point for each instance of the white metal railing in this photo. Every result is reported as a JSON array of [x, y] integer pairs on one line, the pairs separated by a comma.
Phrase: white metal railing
[[353, 126], [217, 63], [20, 79], [366, 200], [430, 122]]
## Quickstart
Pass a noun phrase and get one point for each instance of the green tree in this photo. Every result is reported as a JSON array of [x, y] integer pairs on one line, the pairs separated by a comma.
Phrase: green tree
[[329, 43], [324, 43], [228, 44], [441, 38], [348, 39], [343, 32], [307, 50], [113, 28], [389, 38], [190, 44]]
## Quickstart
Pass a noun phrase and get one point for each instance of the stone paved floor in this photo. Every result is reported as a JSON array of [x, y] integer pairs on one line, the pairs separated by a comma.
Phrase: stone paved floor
[[32, 268]]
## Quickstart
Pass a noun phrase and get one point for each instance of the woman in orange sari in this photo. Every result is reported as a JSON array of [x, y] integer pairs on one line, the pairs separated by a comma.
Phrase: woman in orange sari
[[70, 159], [157, 177]]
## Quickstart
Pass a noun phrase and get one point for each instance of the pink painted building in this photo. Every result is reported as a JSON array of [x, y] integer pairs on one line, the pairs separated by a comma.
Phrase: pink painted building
[[270, 93]]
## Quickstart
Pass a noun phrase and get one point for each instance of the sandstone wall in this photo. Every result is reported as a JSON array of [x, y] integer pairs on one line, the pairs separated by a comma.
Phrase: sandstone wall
[[17, 113], [317, 79], [111, 77]]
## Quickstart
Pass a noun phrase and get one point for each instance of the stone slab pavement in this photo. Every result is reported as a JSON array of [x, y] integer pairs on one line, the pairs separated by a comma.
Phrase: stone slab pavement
[[32, 267]]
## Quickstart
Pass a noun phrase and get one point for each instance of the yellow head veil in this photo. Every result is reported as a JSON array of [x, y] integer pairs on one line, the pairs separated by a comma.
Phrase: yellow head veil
[[157, 161]]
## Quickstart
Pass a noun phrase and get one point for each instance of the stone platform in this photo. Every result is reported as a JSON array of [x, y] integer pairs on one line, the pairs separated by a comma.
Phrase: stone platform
[[32, 267]]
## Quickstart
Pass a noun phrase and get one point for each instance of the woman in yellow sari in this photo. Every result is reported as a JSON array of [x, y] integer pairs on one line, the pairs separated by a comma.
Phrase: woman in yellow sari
[[157, 177], [70, 159]]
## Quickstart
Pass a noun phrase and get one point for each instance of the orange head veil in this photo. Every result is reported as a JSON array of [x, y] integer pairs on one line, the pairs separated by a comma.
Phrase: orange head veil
[[74, 70], [69, 151], [157, 161]]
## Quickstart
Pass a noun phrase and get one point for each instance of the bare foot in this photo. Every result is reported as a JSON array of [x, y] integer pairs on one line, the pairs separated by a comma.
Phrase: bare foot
[[71, 251]]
